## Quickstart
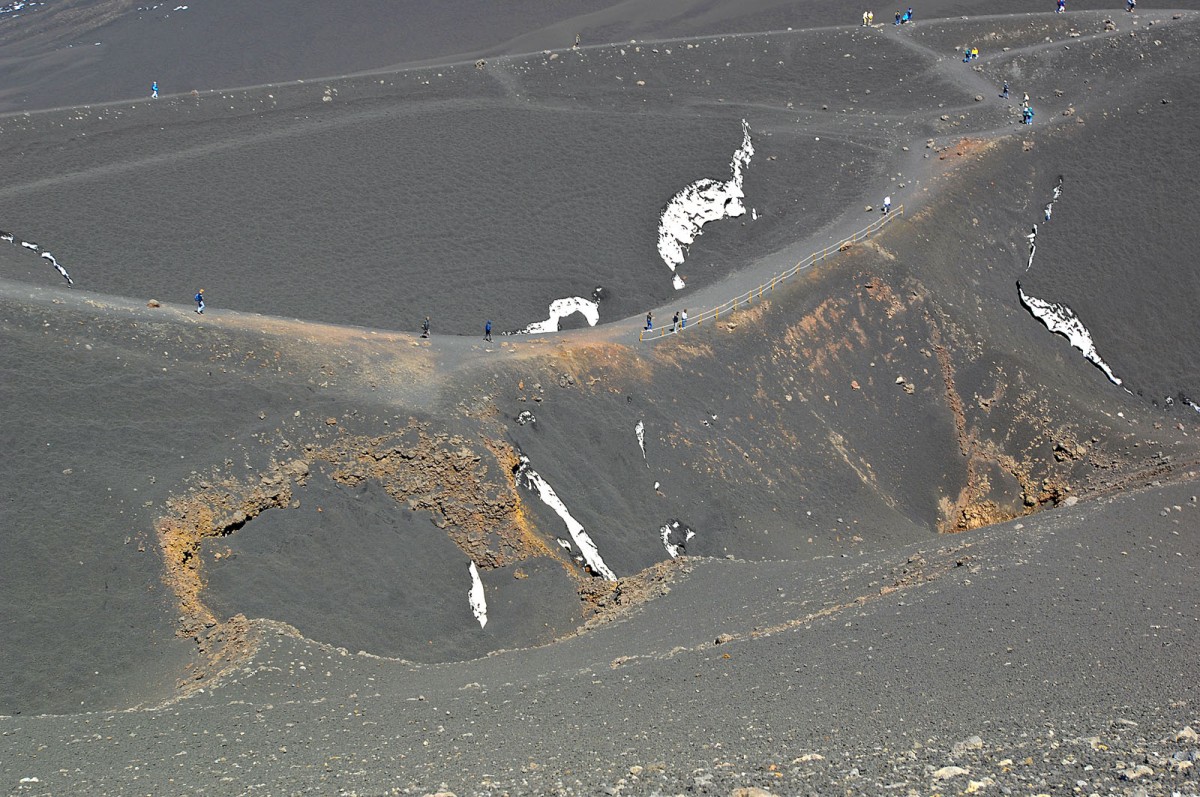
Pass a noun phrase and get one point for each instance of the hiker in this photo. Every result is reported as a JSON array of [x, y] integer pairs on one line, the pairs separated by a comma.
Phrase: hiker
[[1027, 115], [200, 301], [154, 90], [425, 327], [966, 54], [650, 320], [1004, 93], [864, 19], [887, 205], [1130, 5], [908, 15], [1049, 210], [683, 318], [487, 330], [576, 40], [870, 18], [1062, 6], [675, 321], [974, 53], [897, 17]]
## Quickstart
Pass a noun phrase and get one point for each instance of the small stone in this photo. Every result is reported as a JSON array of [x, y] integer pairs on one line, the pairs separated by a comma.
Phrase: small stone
[[1071, 501], [946, 773], [1134, 773], [978, 98], [154, 303], [1187, 735], [973, 743], [750, 791], [807, 757]]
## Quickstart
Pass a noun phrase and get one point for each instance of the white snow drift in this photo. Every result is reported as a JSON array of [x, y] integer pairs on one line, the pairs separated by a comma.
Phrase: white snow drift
[[674, 529], [561, 308], [476, 598], [701, 202], [1058, 317], [587, 548], [1062, 319]]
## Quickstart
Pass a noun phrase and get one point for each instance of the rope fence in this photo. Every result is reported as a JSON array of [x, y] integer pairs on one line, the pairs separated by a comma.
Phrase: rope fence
[[746, 299]]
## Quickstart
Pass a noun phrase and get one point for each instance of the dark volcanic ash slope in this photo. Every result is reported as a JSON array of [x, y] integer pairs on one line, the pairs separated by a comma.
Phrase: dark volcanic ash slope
[[334, 484]]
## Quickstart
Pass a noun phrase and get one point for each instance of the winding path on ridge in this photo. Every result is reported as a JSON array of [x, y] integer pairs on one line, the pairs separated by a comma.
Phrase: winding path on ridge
[[453, 352]]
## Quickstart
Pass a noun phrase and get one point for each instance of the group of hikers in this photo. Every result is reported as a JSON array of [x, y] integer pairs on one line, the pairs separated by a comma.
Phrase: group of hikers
[[902, 18], [679, 321]]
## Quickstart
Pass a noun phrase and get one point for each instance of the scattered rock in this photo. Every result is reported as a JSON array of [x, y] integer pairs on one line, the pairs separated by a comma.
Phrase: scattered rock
[[1187, 734], [154, 303], [750, 791], [297, 469], [946, 773], [804, 759], [1133, 773], [978, 98], [723, 638], [972, 743]]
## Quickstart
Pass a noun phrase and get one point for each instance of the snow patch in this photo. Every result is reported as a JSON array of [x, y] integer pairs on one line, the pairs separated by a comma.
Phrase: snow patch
[[675, 536], [701, 202], [591, 555], [1046, 213], [57, 267], [12, 239], [561, 308], [640, 431], [1062, 319], [475, 597]]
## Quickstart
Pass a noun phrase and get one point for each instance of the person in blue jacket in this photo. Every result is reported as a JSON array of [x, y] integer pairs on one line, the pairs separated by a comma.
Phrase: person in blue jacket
[[200, 301], [487, 330]]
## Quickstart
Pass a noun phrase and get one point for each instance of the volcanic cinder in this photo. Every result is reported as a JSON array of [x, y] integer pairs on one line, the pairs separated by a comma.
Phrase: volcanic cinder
[[863, 526]]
